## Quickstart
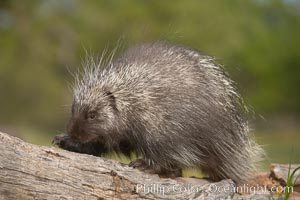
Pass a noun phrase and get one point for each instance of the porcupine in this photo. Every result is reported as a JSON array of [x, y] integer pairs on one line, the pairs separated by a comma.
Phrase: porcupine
[[174, 106]]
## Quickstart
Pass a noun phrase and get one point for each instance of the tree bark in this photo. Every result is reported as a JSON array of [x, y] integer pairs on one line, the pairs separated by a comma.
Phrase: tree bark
[[29, 171], [280, 172]]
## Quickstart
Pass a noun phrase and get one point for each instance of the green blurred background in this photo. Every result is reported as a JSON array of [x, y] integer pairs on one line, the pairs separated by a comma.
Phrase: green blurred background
[[258, 41]]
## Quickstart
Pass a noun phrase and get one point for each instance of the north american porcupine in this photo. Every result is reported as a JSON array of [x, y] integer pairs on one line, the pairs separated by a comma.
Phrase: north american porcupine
[[173, 105]]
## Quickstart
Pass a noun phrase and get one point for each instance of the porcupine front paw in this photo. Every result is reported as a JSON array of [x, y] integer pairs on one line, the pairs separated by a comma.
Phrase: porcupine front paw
[[59, 140], [67, 143]]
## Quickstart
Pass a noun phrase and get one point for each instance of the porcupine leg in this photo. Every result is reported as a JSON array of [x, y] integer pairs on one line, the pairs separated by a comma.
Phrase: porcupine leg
[[143, 165], [67, 143]]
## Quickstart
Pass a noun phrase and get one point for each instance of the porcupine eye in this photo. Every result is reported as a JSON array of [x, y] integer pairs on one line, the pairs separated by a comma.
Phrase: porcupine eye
[[91, 116]]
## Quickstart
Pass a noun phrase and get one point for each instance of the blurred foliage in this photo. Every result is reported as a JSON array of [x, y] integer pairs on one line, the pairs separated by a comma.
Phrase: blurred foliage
[[257, 41]]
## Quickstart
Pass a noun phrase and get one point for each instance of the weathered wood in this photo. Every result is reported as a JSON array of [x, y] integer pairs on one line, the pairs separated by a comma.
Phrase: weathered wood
[[29, 171], [280, 172]]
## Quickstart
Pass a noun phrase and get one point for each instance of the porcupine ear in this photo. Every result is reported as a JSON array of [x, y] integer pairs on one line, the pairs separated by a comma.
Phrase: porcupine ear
[[112, 100]]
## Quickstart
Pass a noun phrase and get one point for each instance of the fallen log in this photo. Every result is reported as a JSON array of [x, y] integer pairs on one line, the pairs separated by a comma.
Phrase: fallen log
[[29, 171], [280, 172]]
